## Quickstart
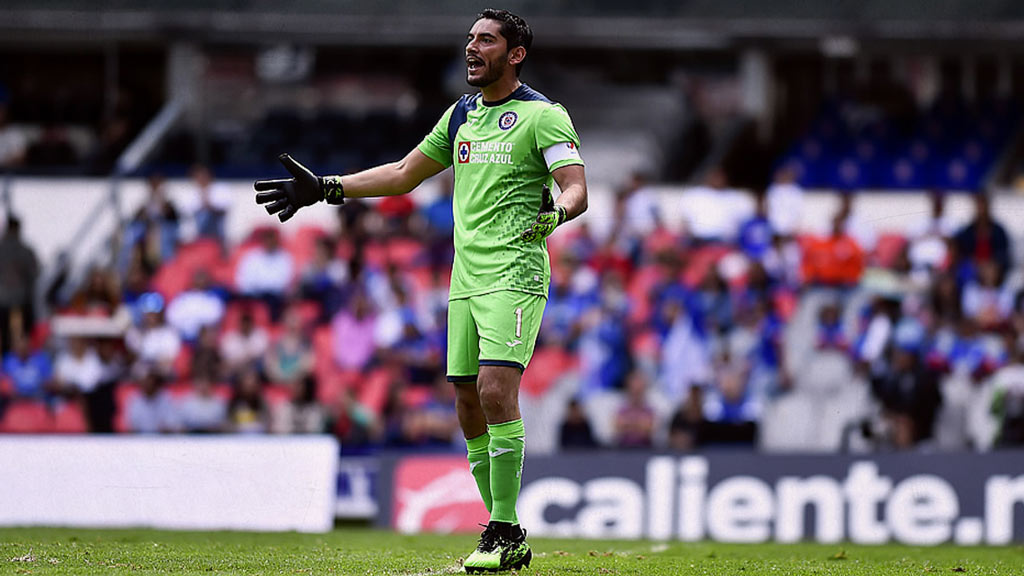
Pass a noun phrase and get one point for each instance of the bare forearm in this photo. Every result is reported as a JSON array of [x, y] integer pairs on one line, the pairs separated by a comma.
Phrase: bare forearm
[[384, 180], [574, 199], [391, 179]]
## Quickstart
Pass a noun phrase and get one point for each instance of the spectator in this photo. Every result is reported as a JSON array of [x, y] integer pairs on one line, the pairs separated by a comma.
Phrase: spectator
[[755, 236], [30, 372], [247, 412], [324, 277], [206, 359], [100, 404], [909, 395], [730, 403], [78, 369], [688, 429], [352, 422], [642, 211], [854, 226], [432, 423], [785, 200], [115, 136], [835, 260], [52, 149], [13, 143], [351, 331], [301, 414], [207, 203], [830, 332], [685, 357], [984, 300], [713, 211], [634, 421], [266, 272], [154, 343], [575, 432], [19, 269], [193, 309], [154, 227], [152, 411], [982, 240], [244, 347], [1008, 402], [98, 295], [289, 360], [203, 410], [928, 239], [604, 347]]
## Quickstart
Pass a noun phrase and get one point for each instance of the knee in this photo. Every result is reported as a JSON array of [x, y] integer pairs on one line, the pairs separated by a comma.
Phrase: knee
[[466, 397], [492, 397]]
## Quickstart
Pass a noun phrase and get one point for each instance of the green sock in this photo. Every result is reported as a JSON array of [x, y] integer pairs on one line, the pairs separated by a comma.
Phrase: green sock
[[506, 452], [480, 465]]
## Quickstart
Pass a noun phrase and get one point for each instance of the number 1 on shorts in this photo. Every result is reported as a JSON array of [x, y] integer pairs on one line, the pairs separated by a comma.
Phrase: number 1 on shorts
[[519, 322]]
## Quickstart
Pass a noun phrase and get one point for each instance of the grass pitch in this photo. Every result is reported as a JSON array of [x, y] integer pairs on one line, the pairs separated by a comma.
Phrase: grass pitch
[[364, 551]]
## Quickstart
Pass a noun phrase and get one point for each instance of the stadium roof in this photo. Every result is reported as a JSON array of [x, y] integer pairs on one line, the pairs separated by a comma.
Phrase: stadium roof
[[639, 23]]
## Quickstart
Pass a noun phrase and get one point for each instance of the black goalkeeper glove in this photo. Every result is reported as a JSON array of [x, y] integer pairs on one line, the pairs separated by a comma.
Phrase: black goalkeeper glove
[[550, 217], [287, 195]]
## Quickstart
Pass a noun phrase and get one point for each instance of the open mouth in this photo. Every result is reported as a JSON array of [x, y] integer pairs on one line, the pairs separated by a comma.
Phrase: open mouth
[[474, 64]]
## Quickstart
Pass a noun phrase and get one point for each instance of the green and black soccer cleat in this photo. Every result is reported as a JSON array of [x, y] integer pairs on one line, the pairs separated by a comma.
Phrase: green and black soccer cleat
[[497, 552]]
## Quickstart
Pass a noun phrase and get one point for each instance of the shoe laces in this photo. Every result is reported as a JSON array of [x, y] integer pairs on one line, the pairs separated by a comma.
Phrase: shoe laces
[[489, 539]]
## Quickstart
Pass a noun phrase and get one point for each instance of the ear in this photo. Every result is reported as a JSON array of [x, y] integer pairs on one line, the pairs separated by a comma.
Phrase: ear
[[516, 55]]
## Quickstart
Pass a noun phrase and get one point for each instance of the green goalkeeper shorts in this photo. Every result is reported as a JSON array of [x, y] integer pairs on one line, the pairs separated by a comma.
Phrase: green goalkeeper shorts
[[494, 329]]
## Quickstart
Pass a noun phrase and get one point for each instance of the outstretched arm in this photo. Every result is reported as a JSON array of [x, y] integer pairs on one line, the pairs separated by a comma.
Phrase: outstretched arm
[[393, 178], [284, 197]]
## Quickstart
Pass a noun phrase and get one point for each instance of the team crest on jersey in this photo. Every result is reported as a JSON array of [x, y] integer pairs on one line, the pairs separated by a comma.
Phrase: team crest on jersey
[[463, 152], [507, 120]]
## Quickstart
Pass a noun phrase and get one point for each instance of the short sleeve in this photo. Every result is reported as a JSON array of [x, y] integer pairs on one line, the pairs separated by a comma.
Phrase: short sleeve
[[435, 145], [554, 128]]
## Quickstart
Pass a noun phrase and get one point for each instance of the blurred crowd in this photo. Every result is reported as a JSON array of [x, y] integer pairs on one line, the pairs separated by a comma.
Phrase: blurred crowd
[[654, 335]]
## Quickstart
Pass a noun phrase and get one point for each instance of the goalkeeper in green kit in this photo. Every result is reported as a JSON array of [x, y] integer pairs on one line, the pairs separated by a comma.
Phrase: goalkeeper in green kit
[[506, 143]]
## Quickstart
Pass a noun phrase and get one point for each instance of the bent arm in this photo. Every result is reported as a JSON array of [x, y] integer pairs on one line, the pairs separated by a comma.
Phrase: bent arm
[[393, 178], [572, 181]]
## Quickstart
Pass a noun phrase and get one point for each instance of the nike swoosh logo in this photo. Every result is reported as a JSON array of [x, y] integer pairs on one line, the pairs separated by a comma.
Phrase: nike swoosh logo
[[513, 343], [499, 452]]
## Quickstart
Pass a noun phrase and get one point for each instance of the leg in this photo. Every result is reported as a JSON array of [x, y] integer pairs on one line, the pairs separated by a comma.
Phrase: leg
[[463, 349], [507, 324], [474, 429], [499, 393]]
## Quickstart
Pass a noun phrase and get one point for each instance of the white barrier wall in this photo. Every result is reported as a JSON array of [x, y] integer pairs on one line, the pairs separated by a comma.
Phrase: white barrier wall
[[52, 209], [186, 483]]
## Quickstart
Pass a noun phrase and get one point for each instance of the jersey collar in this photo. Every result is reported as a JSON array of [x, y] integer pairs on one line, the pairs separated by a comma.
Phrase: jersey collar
[[516, 94]]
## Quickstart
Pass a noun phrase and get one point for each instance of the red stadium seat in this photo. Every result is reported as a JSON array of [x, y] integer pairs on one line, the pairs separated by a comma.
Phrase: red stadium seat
[[302, 244], [888, 249], [233, 314], [276, 394], [373, 390], [183, 363], [416, 396], [405, 253], [26, 417], [70, 419], [548, 364], [202, 253]]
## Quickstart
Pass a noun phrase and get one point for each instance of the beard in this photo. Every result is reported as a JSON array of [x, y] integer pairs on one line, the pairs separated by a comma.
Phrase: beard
[[492, 72]]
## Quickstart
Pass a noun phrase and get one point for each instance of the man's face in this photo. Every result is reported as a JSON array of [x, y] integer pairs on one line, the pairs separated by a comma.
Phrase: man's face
[[486, 53]]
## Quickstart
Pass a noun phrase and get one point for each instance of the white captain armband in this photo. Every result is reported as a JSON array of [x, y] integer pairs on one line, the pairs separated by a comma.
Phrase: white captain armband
[[559, 152]]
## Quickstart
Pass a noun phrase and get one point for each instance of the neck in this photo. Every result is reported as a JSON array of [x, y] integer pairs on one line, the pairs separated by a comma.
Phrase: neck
[[501, 88]]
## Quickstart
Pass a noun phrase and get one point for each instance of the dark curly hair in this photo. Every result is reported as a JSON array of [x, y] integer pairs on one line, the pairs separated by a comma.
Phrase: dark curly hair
[[514, 29]]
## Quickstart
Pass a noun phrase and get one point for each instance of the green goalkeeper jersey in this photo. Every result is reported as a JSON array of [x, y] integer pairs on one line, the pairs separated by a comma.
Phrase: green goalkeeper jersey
[[503, 153]]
